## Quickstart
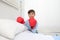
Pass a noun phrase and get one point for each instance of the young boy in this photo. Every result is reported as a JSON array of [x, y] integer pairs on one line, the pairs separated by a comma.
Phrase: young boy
[[31, 23]]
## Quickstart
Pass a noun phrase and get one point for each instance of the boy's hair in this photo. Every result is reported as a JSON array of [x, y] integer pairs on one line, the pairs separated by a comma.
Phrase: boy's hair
[[31, 11]]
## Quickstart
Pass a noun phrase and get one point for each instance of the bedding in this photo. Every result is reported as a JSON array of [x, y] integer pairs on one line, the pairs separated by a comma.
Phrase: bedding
[[9, 28], [27, 35], [2, 38], [56, 37]]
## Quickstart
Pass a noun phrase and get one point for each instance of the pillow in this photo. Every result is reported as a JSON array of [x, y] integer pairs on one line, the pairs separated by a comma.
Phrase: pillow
[[20, 28], [8, 28]]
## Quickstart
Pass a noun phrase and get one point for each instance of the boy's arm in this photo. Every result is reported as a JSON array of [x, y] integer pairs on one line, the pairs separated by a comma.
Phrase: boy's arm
[[27, 25]]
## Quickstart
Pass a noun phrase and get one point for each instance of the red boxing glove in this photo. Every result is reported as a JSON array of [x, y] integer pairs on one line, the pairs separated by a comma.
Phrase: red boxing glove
[[32, 22], [20, 20]]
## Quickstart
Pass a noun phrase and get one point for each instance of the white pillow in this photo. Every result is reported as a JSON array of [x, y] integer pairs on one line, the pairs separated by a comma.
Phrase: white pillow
[[8, 28], [20, 28]]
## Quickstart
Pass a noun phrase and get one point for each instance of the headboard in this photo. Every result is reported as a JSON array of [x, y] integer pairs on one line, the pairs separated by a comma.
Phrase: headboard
[[8, 11]]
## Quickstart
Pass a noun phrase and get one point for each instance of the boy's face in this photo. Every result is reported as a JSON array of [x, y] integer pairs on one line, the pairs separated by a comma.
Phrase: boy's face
[[32, 14]]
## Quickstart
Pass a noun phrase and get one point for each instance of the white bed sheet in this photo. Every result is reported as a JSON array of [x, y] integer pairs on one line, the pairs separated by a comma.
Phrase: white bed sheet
[[27, 35], [2, 38]]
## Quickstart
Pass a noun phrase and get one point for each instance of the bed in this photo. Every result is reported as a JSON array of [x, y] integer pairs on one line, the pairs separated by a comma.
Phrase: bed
[[11, 30], [30, 36], [33, 36]]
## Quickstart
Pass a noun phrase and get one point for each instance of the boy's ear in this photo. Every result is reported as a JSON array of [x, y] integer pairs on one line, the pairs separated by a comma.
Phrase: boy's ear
[[34, 14]]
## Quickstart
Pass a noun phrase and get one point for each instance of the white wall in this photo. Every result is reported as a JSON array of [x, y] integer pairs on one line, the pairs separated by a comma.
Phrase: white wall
[[47, 14], [8, 12]]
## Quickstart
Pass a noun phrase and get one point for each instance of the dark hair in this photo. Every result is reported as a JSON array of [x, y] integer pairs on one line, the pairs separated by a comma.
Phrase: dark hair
[[31, 11]]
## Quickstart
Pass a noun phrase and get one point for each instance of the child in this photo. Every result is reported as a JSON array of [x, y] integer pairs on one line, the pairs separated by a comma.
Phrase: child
[[31, 23]]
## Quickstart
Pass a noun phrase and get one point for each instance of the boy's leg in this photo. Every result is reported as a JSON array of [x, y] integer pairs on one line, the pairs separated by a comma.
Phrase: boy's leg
[[34, 30]]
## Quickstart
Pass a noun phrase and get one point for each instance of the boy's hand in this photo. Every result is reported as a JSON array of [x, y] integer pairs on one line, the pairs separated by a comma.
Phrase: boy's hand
[[20, 20], [32, 22]]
